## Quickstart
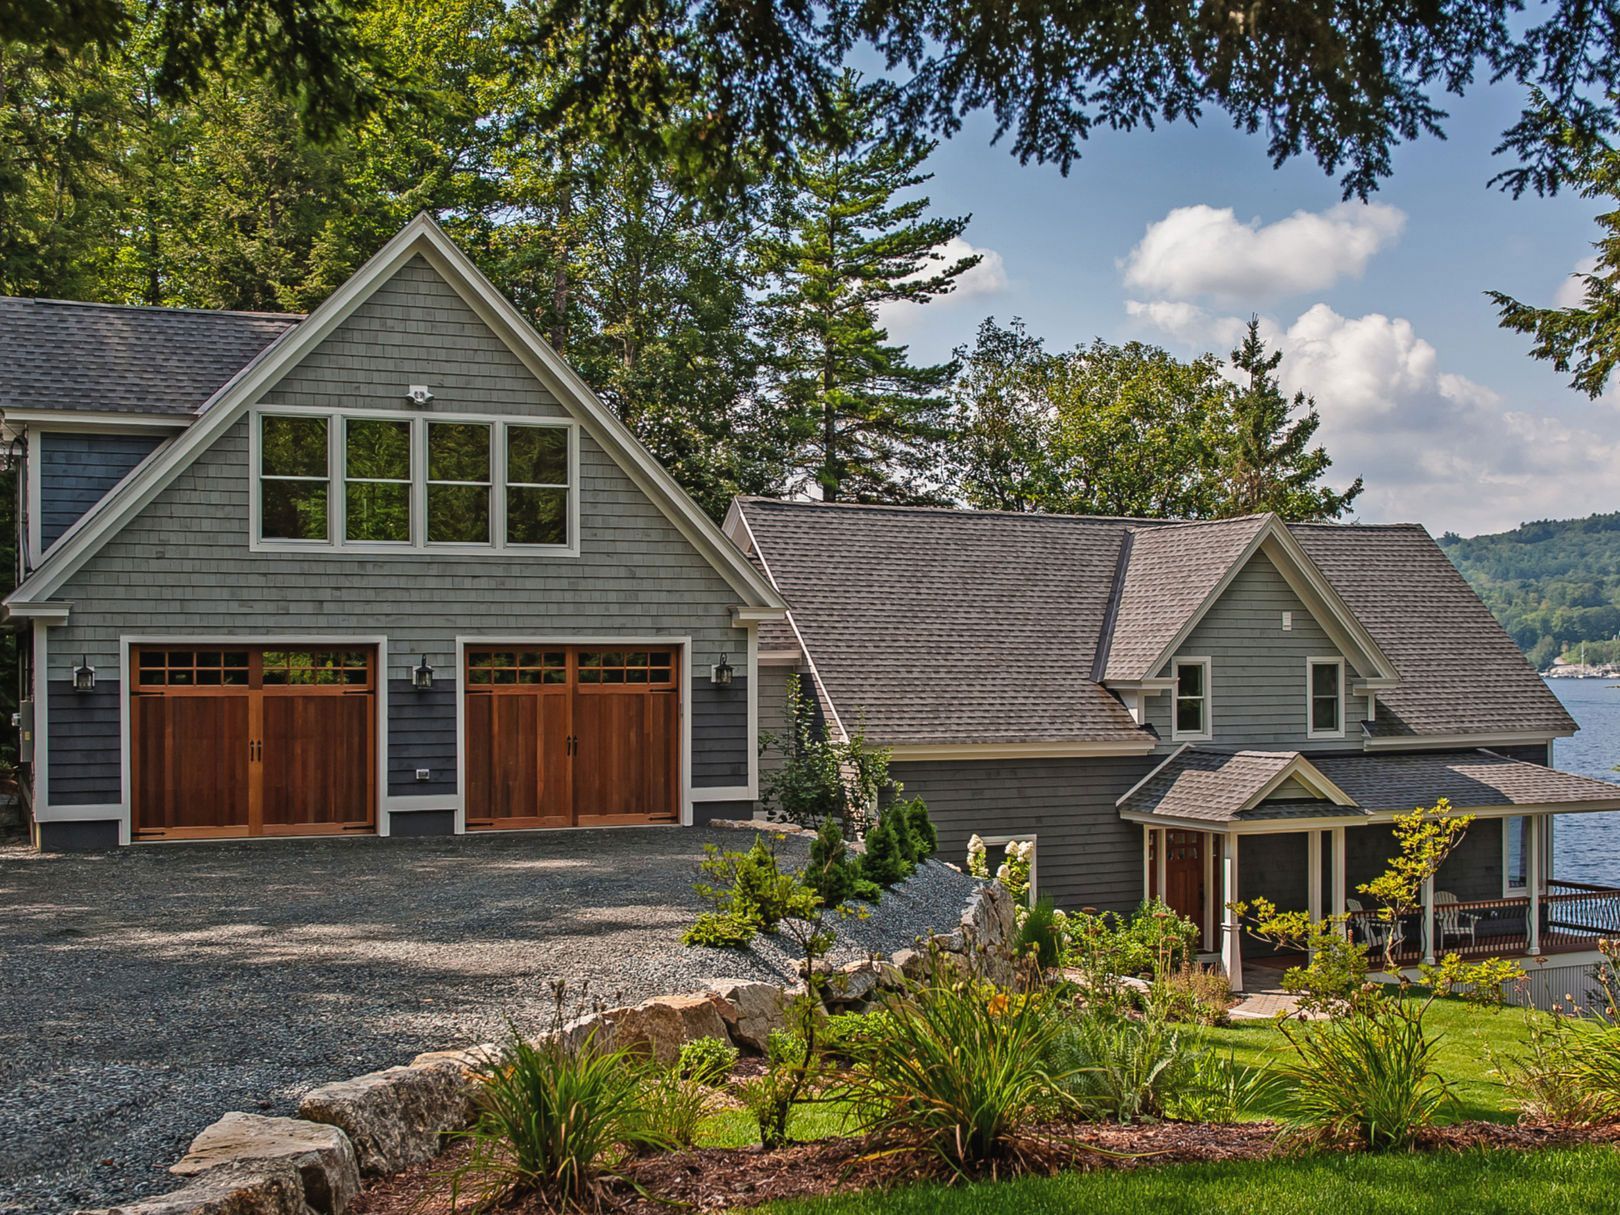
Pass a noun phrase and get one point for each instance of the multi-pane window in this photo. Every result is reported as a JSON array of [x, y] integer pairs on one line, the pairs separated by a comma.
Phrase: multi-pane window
[[495, 667], [316, 667], [1192, 698], [414, 482], [192, 668], [1516, 853], [627, 666], [536, 485], [377, 480], [294, 478], [458, 483], [1326, 696]]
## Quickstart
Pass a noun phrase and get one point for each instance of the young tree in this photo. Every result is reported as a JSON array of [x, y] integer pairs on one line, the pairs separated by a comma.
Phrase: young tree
[[865, 422], [1002, 418], [1267, 462]]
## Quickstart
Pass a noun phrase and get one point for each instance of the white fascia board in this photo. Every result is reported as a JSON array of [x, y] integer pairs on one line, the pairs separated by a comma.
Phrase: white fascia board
[[1308, 582], [421, 236], [755, 615], [1309, 775], [44, 613], [1171, 758], [1140, 685], [1434, 742], [96, 420]]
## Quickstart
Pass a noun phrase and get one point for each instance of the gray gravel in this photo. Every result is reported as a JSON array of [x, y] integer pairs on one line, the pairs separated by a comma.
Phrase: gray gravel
[[146, 991]]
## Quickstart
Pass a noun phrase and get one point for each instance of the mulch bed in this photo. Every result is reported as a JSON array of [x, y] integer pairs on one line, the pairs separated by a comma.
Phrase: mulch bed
[[718, 1179]]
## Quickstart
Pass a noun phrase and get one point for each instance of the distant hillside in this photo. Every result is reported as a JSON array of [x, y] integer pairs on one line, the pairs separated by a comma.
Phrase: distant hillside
[[1552, 584]]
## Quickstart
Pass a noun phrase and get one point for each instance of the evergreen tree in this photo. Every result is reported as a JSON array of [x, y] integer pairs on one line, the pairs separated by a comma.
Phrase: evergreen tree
[[883, 863], [864, 423], [1266, 460]]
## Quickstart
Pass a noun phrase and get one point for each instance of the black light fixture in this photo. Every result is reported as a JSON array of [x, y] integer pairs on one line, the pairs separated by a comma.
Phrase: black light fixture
[[720, 674], [84, 675], [422, 675]]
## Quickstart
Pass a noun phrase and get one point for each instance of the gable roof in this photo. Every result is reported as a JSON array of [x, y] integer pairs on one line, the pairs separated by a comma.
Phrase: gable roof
[[1461, 674], [951, 627], [938, 627], [1208, 786], [421, 237], [116, 358], [1169, 574]]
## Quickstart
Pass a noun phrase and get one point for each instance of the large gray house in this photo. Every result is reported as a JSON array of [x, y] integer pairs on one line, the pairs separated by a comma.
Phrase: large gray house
[[1203, 711], [392, 568]]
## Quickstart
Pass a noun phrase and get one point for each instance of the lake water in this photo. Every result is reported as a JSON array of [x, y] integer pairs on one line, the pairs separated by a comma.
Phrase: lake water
[[1586, 847]]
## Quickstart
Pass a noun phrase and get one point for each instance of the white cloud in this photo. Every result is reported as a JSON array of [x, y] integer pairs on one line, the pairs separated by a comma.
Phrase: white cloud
[[909, 322], [1572, 291], [1206, 251], [1188, 323]]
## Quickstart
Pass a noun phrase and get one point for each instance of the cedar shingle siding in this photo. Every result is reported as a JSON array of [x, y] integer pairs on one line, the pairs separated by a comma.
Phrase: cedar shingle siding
[[183, 565], [77, 470]]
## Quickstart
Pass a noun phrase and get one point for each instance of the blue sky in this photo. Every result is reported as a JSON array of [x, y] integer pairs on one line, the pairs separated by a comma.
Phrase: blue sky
[[1381, 310]]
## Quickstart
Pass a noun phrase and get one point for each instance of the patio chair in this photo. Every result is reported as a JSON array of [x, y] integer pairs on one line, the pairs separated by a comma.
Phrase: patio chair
[[1449, 921], [1379, 933]]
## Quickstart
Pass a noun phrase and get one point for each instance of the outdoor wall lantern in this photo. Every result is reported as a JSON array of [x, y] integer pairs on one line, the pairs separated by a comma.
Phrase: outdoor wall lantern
[[720, 674], [422, 675], [84, 675]]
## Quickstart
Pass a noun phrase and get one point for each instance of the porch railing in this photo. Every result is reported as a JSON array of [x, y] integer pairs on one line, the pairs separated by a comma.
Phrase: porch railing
[[1573, 915]]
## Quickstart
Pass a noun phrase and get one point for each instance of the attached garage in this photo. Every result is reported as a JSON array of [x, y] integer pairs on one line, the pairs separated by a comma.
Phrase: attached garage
[[562, 736], [249, 741]]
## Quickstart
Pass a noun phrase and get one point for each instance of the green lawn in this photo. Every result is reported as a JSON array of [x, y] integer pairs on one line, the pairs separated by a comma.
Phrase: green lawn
[[1469, 1036], [1568, 1182]]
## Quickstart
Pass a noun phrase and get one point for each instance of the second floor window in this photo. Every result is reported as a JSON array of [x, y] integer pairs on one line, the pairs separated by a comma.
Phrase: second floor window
[[1192, 699], [415, 484], [1326, 695]]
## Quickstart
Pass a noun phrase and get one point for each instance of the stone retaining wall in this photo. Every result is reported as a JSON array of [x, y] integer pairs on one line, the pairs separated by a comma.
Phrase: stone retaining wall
[[371, 1126]]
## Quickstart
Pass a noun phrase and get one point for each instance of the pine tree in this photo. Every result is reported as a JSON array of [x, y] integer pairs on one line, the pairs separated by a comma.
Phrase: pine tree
[[1267, 462], [865, 423], [883, 863]]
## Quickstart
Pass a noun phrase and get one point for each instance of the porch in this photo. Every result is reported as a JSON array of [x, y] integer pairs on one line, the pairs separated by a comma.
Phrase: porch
[[1305, 834]]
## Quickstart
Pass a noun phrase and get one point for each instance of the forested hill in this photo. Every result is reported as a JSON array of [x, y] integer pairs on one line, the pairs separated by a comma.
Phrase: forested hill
[[1552, 584]]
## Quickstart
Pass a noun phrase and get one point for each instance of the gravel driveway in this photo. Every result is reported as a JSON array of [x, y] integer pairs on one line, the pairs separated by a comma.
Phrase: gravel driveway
[[146, 991]]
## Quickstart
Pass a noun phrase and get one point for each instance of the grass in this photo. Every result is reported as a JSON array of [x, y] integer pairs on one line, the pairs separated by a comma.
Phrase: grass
[[1469, 1037], [1568, 1181], [737, 1128]]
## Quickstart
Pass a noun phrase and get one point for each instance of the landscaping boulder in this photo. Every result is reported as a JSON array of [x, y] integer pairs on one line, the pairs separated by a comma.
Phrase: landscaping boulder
[[472, 1060], [396, 1117], [259, 1189], [989, 922], [321, 1155], [750, 1010], [661, 1026], [855, 983]]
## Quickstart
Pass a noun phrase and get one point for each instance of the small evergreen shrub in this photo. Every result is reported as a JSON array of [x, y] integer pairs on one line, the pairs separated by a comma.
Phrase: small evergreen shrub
[[831, 873], [883, 863], [749, 893], [915, 813], [904, 840], [720, 930], [707, 1060]]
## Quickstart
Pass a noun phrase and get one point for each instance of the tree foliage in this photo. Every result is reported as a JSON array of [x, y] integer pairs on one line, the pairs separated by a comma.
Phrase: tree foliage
[[847, 236], [1132, 430], [1341, 82]]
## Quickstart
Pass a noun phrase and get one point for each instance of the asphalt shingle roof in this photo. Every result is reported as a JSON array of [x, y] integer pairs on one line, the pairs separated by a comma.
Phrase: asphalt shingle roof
[[950, 626], [1460, 672], [1210, 786], [113, 358], [937, 626], [1169, 572]]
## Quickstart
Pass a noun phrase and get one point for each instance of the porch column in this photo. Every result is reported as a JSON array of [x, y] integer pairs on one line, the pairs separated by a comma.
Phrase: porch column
[[1160, 849], [1147, 862], [1313, 875], [1428, 920], [1336, 903], [1211, 842], [1532, 869], [1231, 935]]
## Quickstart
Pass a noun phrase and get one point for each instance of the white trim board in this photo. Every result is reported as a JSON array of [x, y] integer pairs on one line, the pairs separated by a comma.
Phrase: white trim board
[[422, 236]]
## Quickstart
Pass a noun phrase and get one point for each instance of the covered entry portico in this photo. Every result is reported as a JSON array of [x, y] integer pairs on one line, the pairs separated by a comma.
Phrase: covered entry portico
[[1306, 831]]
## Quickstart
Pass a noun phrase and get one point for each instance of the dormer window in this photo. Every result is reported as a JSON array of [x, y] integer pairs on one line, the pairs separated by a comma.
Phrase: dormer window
[[1191, 713], [1324, 697]]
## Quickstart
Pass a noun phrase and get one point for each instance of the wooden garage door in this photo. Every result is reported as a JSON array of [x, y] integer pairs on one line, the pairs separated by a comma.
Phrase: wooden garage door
[[239, 741], [571, 736]]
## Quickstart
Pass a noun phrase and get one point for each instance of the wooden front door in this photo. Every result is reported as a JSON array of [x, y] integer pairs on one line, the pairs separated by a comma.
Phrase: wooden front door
[[244, 741], [1184, 873], [571, 736]]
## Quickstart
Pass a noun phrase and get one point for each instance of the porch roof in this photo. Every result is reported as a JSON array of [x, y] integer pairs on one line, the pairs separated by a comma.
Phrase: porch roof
[[1263, 787]]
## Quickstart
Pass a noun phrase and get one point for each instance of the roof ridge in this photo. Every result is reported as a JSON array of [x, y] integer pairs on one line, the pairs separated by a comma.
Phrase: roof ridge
[[166, 309], [968, 512]]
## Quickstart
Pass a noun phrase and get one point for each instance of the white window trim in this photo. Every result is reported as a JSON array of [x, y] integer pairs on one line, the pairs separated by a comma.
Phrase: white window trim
[[1509, 890], [418, 546], [1026, 837], [1310, 708], [1208, 732]]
